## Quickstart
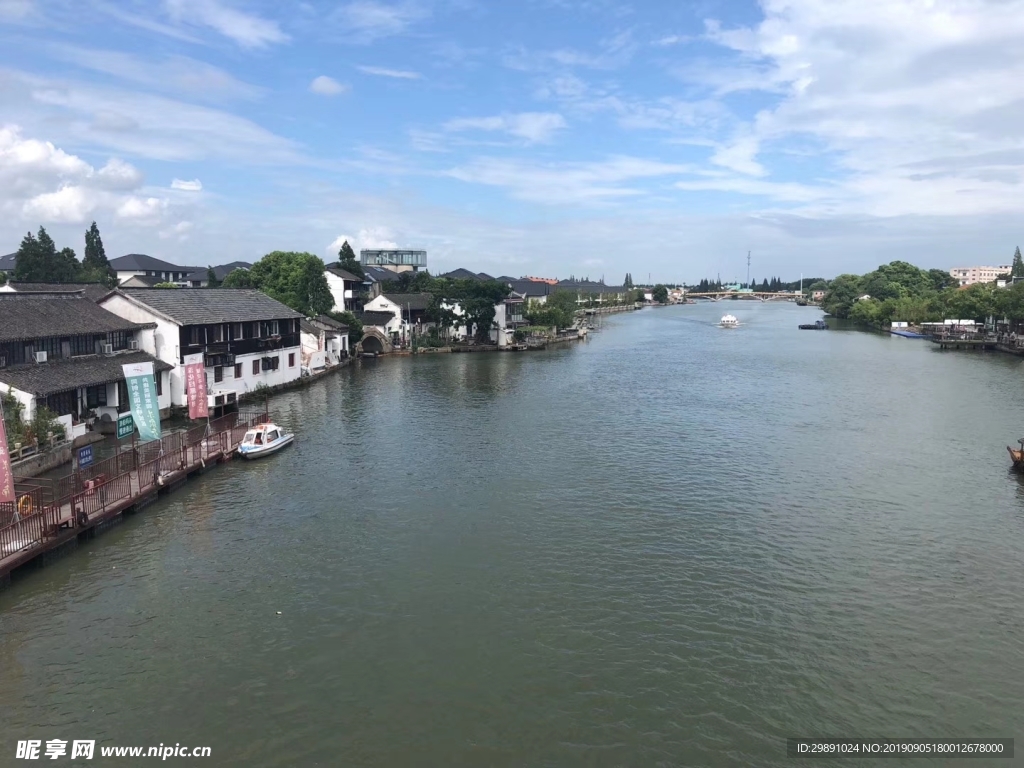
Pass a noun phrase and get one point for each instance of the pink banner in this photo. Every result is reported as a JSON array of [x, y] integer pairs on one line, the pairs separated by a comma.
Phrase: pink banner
[[195, 384], [6, 477]]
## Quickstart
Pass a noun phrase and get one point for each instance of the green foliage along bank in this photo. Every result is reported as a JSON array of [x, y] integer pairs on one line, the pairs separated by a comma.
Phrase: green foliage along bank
[[899, 291]]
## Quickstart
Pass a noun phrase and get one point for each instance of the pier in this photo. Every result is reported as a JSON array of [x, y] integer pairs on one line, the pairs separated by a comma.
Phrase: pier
[[966, 341], [52, 515]]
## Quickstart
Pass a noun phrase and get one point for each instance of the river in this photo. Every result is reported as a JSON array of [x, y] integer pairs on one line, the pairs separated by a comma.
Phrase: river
[[673, 544]]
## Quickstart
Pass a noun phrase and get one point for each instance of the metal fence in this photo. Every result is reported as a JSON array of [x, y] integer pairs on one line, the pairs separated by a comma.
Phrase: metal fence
[[46, 508]]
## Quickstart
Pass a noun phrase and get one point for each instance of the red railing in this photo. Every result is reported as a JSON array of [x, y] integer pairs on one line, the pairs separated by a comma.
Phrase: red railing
[[77, 499]]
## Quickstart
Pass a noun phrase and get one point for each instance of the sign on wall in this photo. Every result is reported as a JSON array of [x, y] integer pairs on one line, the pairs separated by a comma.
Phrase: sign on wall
[[195, 385], [143, 399], [84, 456], [125, 425]]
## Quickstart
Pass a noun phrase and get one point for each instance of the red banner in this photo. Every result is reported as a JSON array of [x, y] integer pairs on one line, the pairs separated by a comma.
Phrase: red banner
[[6, 476], [195, 385]]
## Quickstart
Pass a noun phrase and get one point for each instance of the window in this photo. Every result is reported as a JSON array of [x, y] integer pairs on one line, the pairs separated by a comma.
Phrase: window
[[193, 335], [218, 373], [255, 367], [82, 345], [238, 331], [118, 339], [96, 396], [291, 359], [215, 333], [271, 363], [238, 370], [159, 383], [274, 330]]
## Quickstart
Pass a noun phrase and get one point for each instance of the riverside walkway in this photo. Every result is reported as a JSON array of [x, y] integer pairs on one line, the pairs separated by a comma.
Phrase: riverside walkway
[[50, 516]]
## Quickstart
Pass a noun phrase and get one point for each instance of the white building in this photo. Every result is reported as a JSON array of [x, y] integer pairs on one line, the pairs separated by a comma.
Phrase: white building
[[324, 342], [343, 287], [248, 339], [972, 275], [64, 352]]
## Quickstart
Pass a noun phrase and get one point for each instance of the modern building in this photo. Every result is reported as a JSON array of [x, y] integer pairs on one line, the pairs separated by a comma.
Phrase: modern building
[[64, 352], [972, 275], [91, 291], [395, 260], [248, 340], [141, 264]]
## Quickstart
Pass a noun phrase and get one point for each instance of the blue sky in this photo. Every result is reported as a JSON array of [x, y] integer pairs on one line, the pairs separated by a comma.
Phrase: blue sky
[[549, 137]]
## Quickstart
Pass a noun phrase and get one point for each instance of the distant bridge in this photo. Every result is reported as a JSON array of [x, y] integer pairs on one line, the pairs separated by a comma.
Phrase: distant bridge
[[719, 295]]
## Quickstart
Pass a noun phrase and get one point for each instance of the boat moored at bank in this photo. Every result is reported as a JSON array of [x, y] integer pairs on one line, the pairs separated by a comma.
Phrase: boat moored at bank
[[264, 440]]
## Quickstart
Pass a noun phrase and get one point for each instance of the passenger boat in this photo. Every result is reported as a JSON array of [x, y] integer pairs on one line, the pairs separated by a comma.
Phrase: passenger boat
[[1017, 456], [817, 325], [728, 321], [264, 440]]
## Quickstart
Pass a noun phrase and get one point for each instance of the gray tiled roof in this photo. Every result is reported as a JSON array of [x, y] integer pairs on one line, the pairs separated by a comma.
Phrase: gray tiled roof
[[409, 300], [532, 287], [91, 291], [380, 275], [376, 318], [7, 262], [42, 379], [41, 315], [140, 262], [199, 306], [329, 322], [345, 275], [142, 281]]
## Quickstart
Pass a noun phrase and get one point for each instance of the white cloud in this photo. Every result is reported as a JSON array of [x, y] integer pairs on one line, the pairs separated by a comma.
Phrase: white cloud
[[534, 127], [179, 231], [327, 86], [117, 174], [16, 10], [400, 74], [369, 20], [145, 210], [371, 238], [248, 30], [917, 105], [187, 186], [567, 183], [69, 204]]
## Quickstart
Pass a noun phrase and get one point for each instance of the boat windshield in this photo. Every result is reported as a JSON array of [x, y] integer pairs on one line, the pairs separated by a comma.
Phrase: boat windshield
[[249, 438], [271, 436]]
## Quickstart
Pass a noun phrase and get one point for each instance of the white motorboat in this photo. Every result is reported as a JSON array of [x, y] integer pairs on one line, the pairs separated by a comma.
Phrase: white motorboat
[[263, 440], [728, 321]]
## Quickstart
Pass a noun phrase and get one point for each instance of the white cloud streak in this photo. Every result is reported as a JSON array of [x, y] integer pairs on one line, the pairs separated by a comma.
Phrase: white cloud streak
[[327, 86], [399, 74], [246, 29], [534, 127], [187, 186]]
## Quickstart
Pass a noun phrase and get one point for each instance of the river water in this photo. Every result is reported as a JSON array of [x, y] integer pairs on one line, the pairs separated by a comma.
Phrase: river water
[[673, 544]]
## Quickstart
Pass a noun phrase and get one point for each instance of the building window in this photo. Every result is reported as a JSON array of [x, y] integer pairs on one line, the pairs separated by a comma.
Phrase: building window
[[271, 363], [82, 345], [255, 367], [274, 329], [118, 339], [193, 335], [238, 370], [218, 373], [96, 396], [215, 334], [238, 330], [159, 383], [291, 359]]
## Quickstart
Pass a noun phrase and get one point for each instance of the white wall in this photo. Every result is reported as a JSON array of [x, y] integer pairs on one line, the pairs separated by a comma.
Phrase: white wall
[[161, 342], [250, 381], [25, 398], [337, 287]]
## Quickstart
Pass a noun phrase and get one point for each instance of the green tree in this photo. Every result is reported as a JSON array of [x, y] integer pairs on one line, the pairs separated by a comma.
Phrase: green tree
[[238, 278], [66, 267], [1018, 264], [975, 302], [660, 294], [940, 279], [559, 311], [295, 279], [628, 282], [347, 260], [211, 278], [37, 258], [95, 266], [1010, 302], [841, 295]]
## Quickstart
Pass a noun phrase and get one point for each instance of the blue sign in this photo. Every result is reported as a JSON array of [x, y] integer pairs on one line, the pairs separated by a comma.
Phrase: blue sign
[[84, 456]]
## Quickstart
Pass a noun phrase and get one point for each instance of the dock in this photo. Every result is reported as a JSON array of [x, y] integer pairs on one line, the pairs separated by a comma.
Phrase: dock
[[965, 341], [50, 515]]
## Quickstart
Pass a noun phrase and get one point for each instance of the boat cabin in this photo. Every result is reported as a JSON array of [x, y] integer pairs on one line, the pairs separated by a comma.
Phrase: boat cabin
[[264, 434]]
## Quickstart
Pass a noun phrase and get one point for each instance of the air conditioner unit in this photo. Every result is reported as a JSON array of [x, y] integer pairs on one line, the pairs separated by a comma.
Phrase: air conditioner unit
[[133, 344], [108, 349], [40, 357]]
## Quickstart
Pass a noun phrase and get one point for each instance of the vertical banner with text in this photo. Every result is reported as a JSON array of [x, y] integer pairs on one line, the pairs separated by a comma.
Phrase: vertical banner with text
[[143, 399], [6, 476], [195, 385]]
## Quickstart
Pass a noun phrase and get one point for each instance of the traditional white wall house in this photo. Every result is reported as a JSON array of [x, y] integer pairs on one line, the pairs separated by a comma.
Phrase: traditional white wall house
[[324, 342], [64, 352], [344, 288], [247, 338]]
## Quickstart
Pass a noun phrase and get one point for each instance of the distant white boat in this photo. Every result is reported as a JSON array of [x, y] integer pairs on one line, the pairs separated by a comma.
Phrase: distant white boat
[[728, 321], [264, 440]]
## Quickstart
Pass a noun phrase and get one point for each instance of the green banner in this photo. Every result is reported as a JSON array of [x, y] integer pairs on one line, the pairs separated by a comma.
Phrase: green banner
[[125, 425], [143, 399]]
